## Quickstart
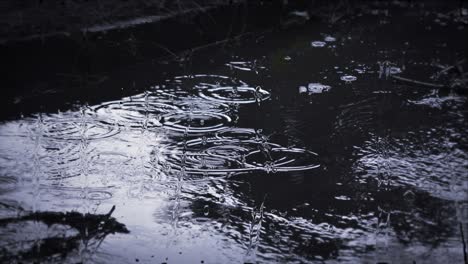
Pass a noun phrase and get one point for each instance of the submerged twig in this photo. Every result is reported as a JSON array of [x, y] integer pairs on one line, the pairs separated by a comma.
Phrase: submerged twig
[[218, 42], [418, 82], [165, 49], [446, 69], [464, 244]]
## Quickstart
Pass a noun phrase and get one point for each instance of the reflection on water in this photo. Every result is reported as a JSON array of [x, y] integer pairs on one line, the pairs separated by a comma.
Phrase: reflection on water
[[237, 166]]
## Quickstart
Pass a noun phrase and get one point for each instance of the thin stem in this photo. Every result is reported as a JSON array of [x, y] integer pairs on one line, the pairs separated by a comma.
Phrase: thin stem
[[418, 82], [465, 257]]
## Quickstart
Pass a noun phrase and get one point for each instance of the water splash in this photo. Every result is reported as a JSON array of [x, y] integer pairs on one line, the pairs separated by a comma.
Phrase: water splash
[[254, 232]]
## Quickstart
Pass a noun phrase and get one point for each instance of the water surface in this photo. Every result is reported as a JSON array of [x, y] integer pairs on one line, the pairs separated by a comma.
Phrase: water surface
[[293, 146]]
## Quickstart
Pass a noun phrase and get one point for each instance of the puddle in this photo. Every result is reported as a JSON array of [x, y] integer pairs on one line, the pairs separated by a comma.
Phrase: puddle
[[336, 141]]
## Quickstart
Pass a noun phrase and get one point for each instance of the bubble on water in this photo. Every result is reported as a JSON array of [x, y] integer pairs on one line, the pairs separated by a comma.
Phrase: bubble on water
[[348, 78], [330, 39], [318, 44], [395, 70], [317, 88], [302, 89]]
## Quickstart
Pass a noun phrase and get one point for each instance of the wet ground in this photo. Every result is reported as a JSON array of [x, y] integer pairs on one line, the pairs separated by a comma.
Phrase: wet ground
[[321, 142]]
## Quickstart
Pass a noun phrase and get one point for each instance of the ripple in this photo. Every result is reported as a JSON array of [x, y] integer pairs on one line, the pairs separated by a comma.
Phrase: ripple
[[201, 163], [210, 156], [236, 134], [77, 129], [282, 159], [420, 159], [203, 81], [198, 104], [357, 118], [7, 184], [99, 195], [62, 161], [196, 122], [224, 154], [134, 113], [106, 158], [70, 192], [236, 95]]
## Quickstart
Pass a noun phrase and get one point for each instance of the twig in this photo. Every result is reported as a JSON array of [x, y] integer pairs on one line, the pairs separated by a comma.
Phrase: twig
[[110, 212], [446, 69], [165, 49], [228, 39], [418, 82], [464, 244]]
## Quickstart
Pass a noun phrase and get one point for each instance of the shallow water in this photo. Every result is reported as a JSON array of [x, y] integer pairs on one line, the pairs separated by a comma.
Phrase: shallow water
[[293, 146]]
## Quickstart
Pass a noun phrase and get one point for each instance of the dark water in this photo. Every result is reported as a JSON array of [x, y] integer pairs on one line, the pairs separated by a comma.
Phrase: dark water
[[293, 146]]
